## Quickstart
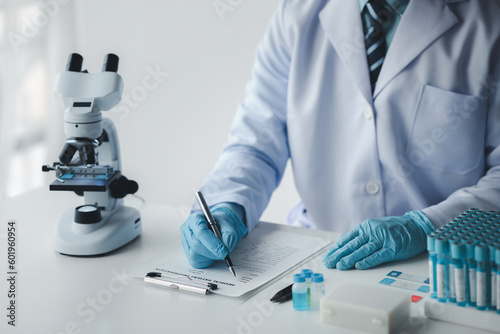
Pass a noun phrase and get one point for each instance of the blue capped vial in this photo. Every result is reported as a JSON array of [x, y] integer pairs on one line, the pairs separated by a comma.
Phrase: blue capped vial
[[458, 255], [317, 290], [299, 292], [471, 270], [483, 278], [442, 270], [497, 262], [431, 247], [493, 271]]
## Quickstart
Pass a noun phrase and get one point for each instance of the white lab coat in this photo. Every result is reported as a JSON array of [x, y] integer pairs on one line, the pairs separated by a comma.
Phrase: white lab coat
[[427, 139]]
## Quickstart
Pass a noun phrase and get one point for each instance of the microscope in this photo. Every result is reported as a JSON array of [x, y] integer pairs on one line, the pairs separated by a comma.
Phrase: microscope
[[90, 165]]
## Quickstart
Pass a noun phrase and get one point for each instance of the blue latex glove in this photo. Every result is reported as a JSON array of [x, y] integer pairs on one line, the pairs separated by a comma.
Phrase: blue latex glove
[[201, 245], [380, 240]]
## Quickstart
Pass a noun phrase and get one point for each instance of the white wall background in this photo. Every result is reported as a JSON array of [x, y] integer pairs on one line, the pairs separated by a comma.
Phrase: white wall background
[[171, 135]]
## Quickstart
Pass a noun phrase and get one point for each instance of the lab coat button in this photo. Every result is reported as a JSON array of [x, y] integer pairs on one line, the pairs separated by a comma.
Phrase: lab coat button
[[368, 113], [372, 188]]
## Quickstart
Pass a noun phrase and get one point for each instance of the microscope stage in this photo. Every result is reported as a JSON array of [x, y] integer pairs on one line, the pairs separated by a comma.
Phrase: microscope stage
[[83, 182]]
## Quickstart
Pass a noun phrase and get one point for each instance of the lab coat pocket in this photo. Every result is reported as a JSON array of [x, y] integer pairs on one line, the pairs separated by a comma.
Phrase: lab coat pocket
[[448, 131]]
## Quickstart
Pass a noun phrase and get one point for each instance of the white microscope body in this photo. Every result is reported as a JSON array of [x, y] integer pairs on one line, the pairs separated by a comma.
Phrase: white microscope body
[[90, 164]]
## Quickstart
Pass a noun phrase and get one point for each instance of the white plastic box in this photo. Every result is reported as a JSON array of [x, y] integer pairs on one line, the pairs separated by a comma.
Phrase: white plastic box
[[369, 308]]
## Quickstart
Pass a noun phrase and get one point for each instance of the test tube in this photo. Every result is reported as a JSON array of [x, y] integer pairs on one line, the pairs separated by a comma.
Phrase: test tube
[[497, 262], [493, 285], [471, 269], [458, 254], [483, 279], [451, 284], [442, 270], [431, 247]]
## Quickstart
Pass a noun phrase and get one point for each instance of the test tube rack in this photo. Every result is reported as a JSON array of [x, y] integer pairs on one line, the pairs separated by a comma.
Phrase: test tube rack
[[464, 270]]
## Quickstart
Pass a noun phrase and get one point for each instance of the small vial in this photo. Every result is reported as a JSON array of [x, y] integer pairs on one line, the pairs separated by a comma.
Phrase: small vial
[[299, 292], [471, 269], [308, 274], [458, 255], [452, 289], [483, 279], [493, 266], [431, 247], [317, 290], [497, 262], [442, 274]]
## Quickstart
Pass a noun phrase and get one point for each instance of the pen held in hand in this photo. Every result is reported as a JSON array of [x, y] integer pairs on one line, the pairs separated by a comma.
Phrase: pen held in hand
[[213, 226]]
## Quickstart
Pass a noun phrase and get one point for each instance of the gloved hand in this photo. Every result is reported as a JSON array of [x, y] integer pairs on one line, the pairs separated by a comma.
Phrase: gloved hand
[[201, 245], [380, 240]]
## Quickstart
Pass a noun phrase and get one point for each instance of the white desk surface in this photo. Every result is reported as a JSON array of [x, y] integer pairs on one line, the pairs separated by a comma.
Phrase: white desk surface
[[62, 294]]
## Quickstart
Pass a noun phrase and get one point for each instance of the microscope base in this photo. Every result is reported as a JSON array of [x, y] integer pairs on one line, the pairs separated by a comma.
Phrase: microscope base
[[116, 229]]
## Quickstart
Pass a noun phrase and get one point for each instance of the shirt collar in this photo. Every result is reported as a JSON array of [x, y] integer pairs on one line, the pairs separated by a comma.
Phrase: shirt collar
[[398, 5]]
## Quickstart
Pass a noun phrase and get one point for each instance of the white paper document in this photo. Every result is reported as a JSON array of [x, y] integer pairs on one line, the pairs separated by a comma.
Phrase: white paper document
[[263, 255]]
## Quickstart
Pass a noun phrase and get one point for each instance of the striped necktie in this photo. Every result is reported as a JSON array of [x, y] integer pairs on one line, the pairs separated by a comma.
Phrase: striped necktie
[[376, 14]]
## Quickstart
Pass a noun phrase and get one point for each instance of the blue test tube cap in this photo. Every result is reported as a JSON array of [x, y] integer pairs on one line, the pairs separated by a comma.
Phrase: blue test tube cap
[[470, 246], [451, 224], [307, 273], [441, 231], [482, 253], [431, 242], [493, 249], [491, 239], [458, 250], [442, 246], [451, 241], [478, 240], [317, 278], [448, 234], [497, 256], [299, 278], [436, 233]]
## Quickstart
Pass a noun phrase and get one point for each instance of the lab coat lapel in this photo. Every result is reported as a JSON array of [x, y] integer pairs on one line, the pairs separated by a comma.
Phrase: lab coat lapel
[[341, 21], [423, 22]]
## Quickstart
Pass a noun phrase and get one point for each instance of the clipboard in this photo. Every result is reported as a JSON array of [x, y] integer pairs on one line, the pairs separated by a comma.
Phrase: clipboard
[[267, 252]]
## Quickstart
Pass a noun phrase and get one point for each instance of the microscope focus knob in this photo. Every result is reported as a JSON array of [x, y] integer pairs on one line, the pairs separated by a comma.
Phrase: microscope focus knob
[[87, 214], [122, 187]]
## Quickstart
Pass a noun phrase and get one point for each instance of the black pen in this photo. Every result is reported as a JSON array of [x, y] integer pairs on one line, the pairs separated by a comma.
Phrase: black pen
[[213, 226], [283, 295]]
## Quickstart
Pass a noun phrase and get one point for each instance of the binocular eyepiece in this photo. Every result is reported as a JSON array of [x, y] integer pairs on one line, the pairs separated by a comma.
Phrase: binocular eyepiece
[[75, 62]]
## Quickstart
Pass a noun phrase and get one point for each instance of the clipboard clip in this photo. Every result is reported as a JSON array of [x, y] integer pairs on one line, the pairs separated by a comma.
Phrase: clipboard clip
[[173, 282]]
